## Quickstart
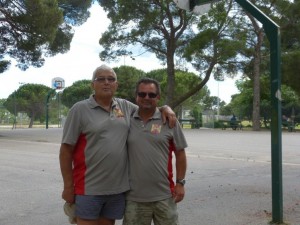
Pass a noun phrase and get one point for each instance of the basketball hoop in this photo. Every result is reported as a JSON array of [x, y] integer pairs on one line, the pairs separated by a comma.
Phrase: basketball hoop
[[58, 83]]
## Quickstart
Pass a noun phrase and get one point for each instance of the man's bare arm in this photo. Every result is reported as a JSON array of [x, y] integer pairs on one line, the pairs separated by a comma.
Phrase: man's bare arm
[[66, 167], [180, 174]]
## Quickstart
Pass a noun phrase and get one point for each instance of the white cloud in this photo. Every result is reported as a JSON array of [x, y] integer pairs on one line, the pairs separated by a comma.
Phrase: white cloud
[[83, 57]]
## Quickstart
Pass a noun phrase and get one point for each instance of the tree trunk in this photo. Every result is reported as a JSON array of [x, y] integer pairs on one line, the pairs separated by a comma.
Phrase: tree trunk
[[256, 81], [170, 81], [256, 73], [171, 47], [31, 121], [256, 102]]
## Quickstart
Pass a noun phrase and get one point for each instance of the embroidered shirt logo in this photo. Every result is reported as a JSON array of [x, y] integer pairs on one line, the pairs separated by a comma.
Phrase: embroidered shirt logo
[[156, 128], [118, 112]]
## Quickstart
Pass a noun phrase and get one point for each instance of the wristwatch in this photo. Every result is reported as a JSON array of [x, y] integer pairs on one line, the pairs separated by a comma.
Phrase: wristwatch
[[180, 181]]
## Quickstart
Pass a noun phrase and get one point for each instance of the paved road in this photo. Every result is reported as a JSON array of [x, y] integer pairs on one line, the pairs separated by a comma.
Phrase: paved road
[[228, 178]]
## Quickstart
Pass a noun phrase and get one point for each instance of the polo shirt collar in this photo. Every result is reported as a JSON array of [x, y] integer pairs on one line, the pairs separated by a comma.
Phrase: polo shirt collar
[[156, 115], [94, 104]]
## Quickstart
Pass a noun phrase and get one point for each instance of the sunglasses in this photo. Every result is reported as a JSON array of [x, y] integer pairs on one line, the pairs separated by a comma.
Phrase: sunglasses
[[144, 94], [103, 79]]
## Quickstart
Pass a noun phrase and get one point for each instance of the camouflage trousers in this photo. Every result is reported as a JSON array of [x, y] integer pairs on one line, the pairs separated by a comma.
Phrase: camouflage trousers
[[142, 213]]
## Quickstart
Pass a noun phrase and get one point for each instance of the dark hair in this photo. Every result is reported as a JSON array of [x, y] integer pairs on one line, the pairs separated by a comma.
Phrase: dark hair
[[147, 80]]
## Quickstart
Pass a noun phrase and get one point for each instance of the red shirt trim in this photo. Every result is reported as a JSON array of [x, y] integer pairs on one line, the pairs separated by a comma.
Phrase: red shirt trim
[[170, 166], [79, 165]]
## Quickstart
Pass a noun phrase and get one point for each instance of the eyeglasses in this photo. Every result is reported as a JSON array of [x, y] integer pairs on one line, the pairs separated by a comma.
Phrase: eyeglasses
[[144, 94], [103, 79]]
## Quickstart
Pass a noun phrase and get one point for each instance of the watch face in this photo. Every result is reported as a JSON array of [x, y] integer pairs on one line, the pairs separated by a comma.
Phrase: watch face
[[181, 181]]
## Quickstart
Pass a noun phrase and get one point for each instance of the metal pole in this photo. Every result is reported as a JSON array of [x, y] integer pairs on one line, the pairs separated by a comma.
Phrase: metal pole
[[15, 112], [218, 103], [276, 131], [58, 110], [273, 34], [47, 106]]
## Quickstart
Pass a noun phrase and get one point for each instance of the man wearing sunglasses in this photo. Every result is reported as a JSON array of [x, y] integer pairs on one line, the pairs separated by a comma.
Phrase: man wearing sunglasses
[[153, 194], [93, 153]]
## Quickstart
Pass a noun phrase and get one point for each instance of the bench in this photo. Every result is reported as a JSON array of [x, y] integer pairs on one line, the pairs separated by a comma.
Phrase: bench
[[235, 125], [189, 123], [290, 125]]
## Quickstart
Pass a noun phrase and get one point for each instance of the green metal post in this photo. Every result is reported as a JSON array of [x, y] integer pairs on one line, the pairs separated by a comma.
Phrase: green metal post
[[15, 112], [47, 106], [276, 137], [273, 34]]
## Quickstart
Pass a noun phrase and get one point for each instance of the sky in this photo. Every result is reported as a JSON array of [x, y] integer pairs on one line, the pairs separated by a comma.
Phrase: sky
[[82, 59]]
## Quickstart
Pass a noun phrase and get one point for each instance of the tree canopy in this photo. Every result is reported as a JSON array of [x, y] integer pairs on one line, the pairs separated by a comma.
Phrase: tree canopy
[[241, 104], [78, 91], [30, 30], [221, 42], [158, 27], [127, 79], [289, 21], [169, 32], [3, 112], [30, 99]]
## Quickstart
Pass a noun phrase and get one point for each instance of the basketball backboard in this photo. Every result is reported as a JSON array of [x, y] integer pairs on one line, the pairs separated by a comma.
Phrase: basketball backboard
[[196, 6], [58, 83]]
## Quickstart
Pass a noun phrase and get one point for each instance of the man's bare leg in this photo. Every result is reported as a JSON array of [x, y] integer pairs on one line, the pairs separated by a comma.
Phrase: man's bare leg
[[100, 221]]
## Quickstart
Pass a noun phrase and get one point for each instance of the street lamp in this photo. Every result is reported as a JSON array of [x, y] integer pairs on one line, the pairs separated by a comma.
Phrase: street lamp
[[218, 76], [15, 112]]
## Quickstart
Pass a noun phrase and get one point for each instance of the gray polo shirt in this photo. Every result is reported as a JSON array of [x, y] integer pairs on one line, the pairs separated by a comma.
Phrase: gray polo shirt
[[150, 148], [100, 154]]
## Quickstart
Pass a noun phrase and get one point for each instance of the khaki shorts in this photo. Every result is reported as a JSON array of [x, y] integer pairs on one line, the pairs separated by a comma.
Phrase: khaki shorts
[[141, 213]]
